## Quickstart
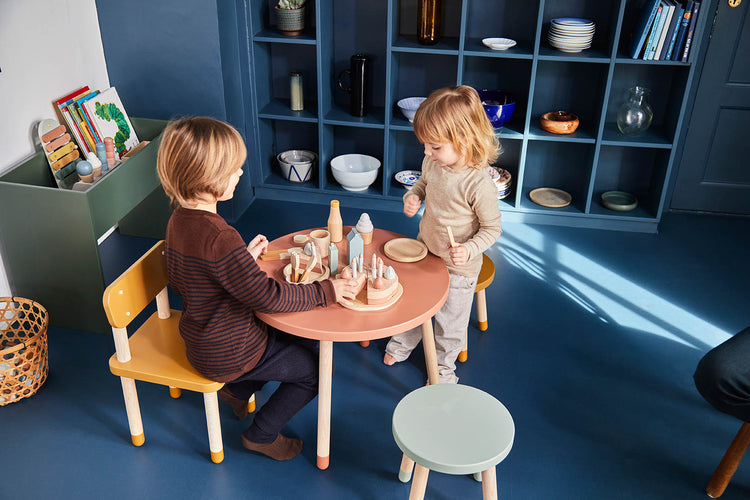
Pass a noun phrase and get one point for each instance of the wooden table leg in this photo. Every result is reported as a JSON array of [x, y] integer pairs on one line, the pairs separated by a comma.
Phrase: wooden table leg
[[430, 355], [325, 381]]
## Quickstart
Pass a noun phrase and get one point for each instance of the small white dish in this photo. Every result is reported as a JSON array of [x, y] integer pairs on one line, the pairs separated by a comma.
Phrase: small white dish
[[499, 43], [407, 178]]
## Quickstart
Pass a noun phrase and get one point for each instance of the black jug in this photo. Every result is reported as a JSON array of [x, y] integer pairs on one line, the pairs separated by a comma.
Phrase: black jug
[[358, 88]]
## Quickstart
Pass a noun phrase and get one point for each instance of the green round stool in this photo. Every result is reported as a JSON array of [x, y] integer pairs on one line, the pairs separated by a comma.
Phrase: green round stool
[[454, 429]]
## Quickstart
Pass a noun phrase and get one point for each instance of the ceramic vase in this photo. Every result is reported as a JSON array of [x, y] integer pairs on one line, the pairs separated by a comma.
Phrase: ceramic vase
[[635, 115]]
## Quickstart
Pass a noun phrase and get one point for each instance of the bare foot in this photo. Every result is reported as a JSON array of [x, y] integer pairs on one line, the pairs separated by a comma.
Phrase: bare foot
[[388, 359]]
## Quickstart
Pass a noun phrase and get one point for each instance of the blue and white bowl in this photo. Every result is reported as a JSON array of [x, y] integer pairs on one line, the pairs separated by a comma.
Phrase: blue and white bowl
[[407, 178], [297, 164], [409, 106]]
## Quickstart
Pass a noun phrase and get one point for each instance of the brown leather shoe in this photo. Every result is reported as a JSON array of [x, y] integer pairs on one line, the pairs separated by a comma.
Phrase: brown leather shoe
[[239, 407]]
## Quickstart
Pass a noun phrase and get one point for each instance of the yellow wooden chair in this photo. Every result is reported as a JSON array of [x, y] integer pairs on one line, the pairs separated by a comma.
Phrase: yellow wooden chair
[[485, 279], [729, 463], [155, 352]]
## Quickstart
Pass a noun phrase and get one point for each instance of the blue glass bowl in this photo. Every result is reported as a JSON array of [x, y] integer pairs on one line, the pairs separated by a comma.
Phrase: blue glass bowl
[[499, 106]]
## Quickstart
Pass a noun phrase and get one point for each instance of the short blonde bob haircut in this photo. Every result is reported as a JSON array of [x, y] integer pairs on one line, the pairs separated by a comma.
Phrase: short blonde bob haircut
[[197, 156], [455, 115]]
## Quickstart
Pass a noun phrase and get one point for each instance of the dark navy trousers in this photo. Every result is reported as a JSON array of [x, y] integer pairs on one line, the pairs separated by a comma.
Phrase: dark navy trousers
[[723, 376]]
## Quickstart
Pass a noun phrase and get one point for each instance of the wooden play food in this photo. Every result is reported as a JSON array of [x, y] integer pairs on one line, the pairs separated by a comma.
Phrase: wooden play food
[[559, 122]]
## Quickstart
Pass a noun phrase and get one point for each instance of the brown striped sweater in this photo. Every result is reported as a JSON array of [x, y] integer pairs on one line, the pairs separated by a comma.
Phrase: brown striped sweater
[[221, 286]]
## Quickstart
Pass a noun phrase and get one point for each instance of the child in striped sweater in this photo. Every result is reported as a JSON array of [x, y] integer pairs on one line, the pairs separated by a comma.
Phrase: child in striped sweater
[[199, 164]]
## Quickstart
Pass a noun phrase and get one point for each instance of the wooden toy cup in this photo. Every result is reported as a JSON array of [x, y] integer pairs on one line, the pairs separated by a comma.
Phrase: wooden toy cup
[[321, 238]]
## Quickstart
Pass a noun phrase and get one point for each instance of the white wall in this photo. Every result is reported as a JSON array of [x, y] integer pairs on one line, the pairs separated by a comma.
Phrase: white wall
[[48, 48]]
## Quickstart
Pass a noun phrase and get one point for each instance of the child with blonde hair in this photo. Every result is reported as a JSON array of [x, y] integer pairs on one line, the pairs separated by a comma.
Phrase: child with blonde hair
[[208, 263], [459, 144]]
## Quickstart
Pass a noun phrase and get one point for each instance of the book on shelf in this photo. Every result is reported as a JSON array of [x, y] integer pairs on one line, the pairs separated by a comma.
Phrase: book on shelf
[[109, 118], [652, 32], [670, 6], [690, 31], [684, 23], [62, 106], [642, 27], [671, 32], [85, 116]]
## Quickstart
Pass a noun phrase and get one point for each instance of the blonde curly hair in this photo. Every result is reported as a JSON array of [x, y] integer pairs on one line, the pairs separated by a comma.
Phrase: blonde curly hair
[[455, 115]]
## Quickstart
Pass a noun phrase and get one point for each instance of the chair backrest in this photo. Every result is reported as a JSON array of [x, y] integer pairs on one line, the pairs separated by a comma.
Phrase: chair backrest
[[129, 294]]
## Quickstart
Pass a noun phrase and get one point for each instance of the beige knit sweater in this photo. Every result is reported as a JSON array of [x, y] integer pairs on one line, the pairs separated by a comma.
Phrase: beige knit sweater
[[465, 200]]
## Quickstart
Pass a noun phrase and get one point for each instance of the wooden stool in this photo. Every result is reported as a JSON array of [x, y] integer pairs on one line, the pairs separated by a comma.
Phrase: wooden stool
[[454, 429], [486, 276], [729, 463]]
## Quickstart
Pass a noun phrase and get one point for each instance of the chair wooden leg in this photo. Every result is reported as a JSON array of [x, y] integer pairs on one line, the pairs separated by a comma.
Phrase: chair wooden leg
[[175, 392], [251, 403], [407, 466], [211, 402], [464, 355], [419, 484], [489, 484], [482, 310], [729, 463], [364, 343], [133, 410]]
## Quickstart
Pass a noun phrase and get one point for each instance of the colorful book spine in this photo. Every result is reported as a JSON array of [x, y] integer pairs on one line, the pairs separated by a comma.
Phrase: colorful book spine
[[664, 29], [691, 31], [90, 143], [652, 33], [62, 105], [85, 115], [640, 34], [671, 33], [680, 42], [658, 28]]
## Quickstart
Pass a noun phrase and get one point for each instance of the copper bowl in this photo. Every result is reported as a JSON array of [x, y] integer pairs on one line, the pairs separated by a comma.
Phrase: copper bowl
[[559, 122]]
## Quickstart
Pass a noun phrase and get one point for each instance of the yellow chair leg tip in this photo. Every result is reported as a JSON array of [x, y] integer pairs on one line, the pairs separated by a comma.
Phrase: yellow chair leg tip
[[463, 356], [175, 392], [138, 440], [483, 325], [217, 456], [251, 406]]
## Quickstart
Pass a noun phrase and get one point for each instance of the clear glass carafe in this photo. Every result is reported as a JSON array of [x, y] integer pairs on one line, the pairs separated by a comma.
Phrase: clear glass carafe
[[635, 114]]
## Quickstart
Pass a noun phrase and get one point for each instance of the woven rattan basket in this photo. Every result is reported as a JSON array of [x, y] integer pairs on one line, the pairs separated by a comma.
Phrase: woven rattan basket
[[23, 348]]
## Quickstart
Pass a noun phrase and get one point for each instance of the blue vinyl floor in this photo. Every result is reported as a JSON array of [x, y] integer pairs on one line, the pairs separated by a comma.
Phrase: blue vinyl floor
[[593, 339]]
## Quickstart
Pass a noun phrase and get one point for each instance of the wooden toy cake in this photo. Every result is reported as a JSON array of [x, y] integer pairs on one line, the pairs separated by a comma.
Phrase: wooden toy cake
[[377, 287]]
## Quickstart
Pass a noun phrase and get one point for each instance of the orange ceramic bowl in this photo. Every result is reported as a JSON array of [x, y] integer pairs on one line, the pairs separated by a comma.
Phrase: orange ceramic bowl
[[559, 122]]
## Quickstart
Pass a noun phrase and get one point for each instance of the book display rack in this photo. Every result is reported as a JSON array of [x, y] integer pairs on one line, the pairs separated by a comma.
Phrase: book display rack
[[592, 84]]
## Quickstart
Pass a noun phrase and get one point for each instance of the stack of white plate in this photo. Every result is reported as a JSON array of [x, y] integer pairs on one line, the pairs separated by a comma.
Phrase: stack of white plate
[[570, 34]]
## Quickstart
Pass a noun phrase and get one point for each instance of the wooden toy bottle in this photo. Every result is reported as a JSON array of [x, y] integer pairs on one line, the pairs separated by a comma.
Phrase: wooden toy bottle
[[335, 224]]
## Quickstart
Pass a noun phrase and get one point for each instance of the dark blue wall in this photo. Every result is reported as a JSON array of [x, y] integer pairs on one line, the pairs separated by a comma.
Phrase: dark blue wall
[[172, 58]]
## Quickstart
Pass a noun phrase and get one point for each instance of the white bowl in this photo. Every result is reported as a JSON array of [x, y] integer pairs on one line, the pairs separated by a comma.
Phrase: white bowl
[[297, 164], [409, 105], [499, 43], [355, 172]]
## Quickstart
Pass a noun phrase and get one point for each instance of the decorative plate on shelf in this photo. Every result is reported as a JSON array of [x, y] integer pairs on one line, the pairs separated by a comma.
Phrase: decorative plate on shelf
[[619, 201], [499, 43], [405, 250], [550, 197], [407, 178]]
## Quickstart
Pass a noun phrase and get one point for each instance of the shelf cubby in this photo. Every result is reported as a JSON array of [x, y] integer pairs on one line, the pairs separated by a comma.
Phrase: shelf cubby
[[273, 63], [278, 136], [341, 140]]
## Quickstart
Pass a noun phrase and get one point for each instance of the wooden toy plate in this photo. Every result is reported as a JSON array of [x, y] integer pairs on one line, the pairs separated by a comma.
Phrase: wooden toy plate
[[360, 302], [405, 250], [550, 197]]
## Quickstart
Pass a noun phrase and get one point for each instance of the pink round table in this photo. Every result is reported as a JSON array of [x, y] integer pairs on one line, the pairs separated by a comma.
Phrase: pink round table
[[425, 284]]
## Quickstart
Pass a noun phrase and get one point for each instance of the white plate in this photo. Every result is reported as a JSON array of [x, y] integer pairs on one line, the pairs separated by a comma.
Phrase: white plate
[[499, 43]]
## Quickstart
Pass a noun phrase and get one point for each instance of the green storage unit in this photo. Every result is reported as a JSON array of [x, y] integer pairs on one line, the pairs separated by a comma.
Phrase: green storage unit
[[49, 235]]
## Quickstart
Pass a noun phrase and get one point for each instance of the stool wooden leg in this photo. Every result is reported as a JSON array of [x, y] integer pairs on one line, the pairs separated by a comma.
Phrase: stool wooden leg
[[729, 463], [211, 402], [407, 466], [251, 403], [133, 410], [489, 484], [464, 355], [482, 310], [175, 392], [364, 343], [419, 484]]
